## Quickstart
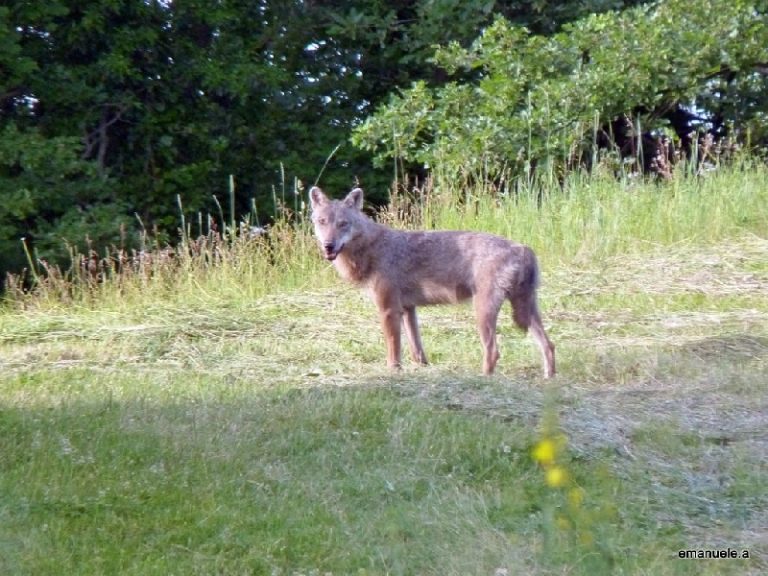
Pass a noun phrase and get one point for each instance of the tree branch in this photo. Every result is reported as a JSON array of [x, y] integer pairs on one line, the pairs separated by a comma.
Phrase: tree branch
[[100, 135]]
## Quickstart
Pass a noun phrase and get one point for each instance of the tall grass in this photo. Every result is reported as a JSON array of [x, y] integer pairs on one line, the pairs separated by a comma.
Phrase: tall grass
[[585, 217], [215, 267], [596, 216]]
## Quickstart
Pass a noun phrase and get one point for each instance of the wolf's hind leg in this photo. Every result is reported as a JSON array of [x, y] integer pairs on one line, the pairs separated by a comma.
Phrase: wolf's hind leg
[[486, 314], [525, 312]]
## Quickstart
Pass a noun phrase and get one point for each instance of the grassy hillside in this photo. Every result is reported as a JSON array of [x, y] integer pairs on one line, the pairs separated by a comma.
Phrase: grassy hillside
[[227, 410]]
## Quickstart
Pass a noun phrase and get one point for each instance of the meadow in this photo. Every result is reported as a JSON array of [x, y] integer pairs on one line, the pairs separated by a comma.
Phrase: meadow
[[224, 408]]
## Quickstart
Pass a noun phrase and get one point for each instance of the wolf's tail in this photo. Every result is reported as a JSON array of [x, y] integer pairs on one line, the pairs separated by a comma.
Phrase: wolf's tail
[[524, 306], [531, 275]]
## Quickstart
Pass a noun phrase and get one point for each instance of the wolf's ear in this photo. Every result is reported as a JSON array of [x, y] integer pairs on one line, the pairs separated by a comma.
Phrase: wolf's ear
[[355, 199], [316, 197]]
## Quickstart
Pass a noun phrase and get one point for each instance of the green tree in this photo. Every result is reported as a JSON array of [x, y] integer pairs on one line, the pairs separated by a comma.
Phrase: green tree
[[522, 99], [138, 102], [46, 189]]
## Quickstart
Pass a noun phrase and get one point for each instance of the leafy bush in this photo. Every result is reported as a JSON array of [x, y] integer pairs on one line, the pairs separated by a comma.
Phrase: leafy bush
[[519, 100]]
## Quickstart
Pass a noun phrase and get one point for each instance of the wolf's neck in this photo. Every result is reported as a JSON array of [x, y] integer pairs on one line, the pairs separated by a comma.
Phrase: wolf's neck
[[359, 259]]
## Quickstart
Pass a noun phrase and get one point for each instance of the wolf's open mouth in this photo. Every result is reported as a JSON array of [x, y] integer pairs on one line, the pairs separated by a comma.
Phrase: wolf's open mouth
[[331, 251]]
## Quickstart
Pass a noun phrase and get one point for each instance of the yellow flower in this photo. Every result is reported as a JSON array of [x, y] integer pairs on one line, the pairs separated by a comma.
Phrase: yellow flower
[[562, 523], [555, 477], [544, 452]]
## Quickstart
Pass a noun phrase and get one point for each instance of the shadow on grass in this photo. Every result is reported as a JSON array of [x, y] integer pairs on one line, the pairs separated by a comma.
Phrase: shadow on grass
[[110, 473], [225, 480]]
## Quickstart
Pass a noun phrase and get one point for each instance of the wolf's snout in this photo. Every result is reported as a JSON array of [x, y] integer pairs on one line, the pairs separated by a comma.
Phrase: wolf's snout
[[330, 250]]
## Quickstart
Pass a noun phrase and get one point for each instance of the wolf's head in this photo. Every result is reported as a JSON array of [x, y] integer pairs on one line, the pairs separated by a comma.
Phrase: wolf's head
[[335, 221]]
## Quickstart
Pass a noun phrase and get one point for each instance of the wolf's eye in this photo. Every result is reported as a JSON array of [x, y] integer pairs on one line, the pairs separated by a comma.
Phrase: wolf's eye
[[343, 224], [322, 221]]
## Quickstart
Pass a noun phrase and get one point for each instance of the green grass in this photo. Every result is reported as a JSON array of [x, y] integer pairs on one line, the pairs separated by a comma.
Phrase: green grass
[[232, 415], [589, 218]]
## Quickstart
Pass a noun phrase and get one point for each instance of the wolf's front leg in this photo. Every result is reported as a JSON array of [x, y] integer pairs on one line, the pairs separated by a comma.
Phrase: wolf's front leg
[[387, 300], [391, 319]]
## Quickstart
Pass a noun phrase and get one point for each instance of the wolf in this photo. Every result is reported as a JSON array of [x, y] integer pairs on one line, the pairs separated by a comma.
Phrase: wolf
[[404, 269]]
